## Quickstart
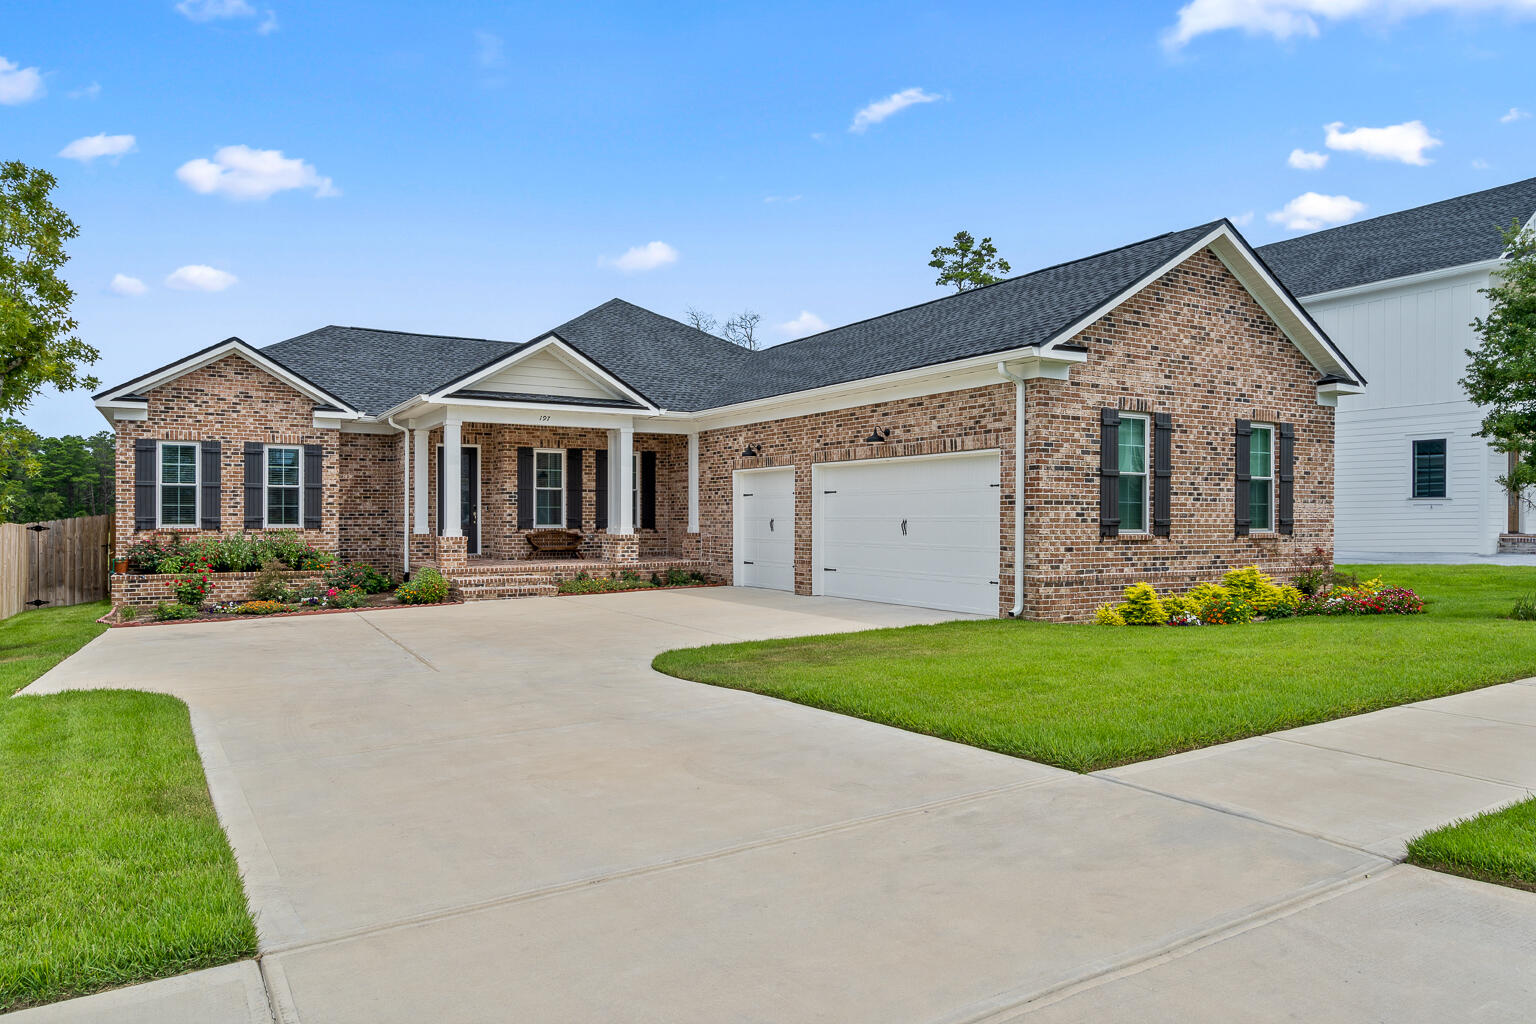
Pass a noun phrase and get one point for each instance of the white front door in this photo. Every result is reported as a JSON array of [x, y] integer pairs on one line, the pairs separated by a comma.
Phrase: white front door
[[919, 531], [764, 501]]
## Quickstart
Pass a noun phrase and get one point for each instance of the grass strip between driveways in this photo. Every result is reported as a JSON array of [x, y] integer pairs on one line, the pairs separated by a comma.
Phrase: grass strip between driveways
[[113, 867], [1498, 846], [1092, 697]]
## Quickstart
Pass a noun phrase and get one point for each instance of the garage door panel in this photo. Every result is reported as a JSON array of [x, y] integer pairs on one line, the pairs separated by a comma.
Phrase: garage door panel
[[911, 531]]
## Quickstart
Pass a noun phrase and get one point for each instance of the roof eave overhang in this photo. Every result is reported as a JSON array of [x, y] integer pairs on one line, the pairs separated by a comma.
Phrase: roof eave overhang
[[1407, 280]]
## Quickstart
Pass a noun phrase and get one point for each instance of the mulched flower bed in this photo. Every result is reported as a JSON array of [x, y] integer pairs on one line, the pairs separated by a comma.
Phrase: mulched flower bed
[[374, 603]]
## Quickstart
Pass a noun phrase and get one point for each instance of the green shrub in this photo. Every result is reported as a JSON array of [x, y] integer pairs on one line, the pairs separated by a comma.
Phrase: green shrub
[[127, 613], [1142, 608], [1108, 616], [427, 586], [1251, 584], [361, 575], [1283, 603], [192, 586], [683, 578], [236, 552], [1226, 609], [165, 611], [271, 584], [1313, 571], [349, 597], [1175, 605], [1525, 608]]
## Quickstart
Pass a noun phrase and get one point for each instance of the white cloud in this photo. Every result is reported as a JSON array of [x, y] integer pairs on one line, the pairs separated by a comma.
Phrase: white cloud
[[782, 199], [19, 84], [125, 285], [649, 256], [268, 24], [1242, 220], [241, 172], [806, 323], [1404, 142], [895, 103], [85, 92], [1311, 210], [489, 49], [1515, 114], [212, 10], [1287, 19], [197, 277], [1479, 164], [1303, 160], [92, 146]]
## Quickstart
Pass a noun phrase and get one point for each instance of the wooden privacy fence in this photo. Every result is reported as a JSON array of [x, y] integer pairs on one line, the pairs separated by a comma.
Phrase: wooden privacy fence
[[60, 562]]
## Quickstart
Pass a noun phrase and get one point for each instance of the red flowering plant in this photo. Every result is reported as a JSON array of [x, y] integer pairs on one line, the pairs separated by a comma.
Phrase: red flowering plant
[[1372, 597], [191, 586]]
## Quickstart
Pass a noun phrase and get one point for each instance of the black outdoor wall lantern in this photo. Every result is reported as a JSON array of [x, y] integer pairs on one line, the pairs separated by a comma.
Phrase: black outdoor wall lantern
[[879, 434], [752, 451]]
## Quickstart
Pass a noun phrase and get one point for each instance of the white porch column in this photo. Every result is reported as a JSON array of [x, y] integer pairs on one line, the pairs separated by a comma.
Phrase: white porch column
[[452, 467], [621, 480], [693, 483], [422, 439]]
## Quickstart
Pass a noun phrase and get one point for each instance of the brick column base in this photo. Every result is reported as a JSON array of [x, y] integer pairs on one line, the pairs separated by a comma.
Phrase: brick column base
[[619, 547], [452, 553]]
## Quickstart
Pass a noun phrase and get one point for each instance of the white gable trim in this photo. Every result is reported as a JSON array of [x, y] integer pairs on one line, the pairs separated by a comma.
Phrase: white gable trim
[[114, 399], [554, 344], [1235, 254]]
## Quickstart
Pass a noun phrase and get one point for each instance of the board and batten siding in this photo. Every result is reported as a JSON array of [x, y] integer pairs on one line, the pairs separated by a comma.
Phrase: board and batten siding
[[543, 373], [1410, 342]]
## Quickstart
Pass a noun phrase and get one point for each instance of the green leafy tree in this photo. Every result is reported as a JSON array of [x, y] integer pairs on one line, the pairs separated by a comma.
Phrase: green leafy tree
[[53, 477], [967, 263], [37, 342], [1501, 373]]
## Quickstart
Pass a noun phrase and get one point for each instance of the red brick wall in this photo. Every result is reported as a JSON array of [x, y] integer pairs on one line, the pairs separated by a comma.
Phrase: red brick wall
[[371, 523], [231, 401]]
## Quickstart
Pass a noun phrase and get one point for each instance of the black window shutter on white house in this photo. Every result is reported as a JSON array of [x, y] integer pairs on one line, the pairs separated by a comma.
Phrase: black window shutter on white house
[[255, 515], [647, 490], [209, 501], [145, 515], [1109, 472], [312, 482], [525, 488], [600, 468], [1241, 453], [1162, 474], [1285, 490], [573, 488]]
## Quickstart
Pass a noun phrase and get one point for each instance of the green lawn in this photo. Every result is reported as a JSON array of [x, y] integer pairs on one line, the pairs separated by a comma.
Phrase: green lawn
[[1091, 697], [113, 867], [1499, 847]]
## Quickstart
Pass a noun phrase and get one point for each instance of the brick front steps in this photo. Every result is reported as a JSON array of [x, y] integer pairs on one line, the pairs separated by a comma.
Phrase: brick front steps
[[1517, 543], [493, 580]]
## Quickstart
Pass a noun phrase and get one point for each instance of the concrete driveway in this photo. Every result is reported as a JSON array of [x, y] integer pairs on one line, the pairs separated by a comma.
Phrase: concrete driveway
[[498, 812]]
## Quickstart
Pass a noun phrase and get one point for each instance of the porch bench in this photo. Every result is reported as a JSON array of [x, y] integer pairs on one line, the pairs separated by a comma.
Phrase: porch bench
[[555, 542]]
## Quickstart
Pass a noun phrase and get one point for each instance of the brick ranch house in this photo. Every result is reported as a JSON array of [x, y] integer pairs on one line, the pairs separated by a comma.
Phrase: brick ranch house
[[1162, 412]]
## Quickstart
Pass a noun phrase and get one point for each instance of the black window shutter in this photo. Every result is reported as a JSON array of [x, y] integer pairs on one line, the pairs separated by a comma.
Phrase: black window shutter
[[573, 488], [1240, 492], [525, 488], [648, 490], [439, 491], [1109, 472], [145, 514], [1162, 474], [209, 500], [255, 515], [312, 481], [1285, 499], [600, 467]]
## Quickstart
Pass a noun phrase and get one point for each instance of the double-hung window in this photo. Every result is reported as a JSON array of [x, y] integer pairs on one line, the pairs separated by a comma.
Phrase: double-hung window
[[1429, 468], [549, 489], [1261, 478], [1134, 487], [178, 484], [283, 485]]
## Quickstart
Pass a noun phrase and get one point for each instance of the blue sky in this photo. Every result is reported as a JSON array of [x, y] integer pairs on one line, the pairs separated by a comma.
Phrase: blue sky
[[483, 169]]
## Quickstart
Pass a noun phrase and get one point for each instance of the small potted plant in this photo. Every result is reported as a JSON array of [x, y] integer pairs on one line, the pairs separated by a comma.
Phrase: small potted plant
[[120, 566]]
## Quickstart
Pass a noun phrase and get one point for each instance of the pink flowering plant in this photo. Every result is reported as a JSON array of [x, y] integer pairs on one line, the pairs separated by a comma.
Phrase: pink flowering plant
[[1371, 597]]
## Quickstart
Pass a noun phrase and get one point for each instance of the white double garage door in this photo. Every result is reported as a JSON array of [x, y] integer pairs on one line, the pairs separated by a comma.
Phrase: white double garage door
[[918, 531]]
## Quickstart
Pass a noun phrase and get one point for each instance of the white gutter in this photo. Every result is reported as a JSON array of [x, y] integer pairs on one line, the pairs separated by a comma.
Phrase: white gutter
[[1018, 488], [405, 496]]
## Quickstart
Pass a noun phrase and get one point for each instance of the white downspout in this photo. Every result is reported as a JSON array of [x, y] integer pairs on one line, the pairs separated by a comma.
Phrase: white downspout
[[1018, 488], [405, 497]]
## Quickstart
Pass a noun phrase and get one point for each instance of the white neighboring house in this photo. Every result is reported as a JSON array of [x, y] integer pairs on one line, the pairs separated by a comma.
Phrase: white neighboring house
[[1398, 294]]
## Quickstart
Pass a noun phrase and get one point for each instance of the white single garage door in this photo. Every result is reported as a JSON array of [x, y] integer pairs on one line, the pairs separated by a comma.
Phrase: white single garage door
[[764, 501], [921, 531]]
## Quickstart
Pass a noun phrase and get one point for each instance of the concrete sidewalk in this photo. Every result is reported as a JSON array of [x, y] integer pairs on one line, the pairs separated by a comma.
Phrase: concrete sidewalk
[[499, 812]]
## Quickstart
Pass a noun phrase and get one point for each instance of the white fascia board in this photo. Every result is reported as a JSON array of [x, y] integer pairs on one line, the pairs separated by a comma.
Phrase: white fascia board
[[1330, 393], [576, 360], [366, 427], [122, 412], [1406, 281], [209, 356]]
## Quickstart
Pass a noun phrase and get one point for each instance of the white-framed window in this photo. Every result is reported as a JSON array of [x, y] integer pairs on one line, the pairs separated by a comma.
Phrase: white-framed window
[[1261, 478], [283, 479], [1429, 456], [1135, 468], [178, 481], [549, 488]]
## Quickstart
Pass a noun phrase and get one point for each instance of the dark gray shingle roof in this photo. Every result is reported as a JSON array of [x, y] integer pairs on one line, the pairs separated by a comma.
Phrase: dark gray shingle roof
[[1450, 233], [679, 368]]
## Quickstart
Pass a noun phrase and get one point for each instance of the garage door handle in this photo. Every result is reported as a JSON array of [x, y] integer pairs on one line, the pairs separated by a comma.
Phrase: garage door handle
[[825, 569], [745, 562], [770, 525], [903, 527]]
